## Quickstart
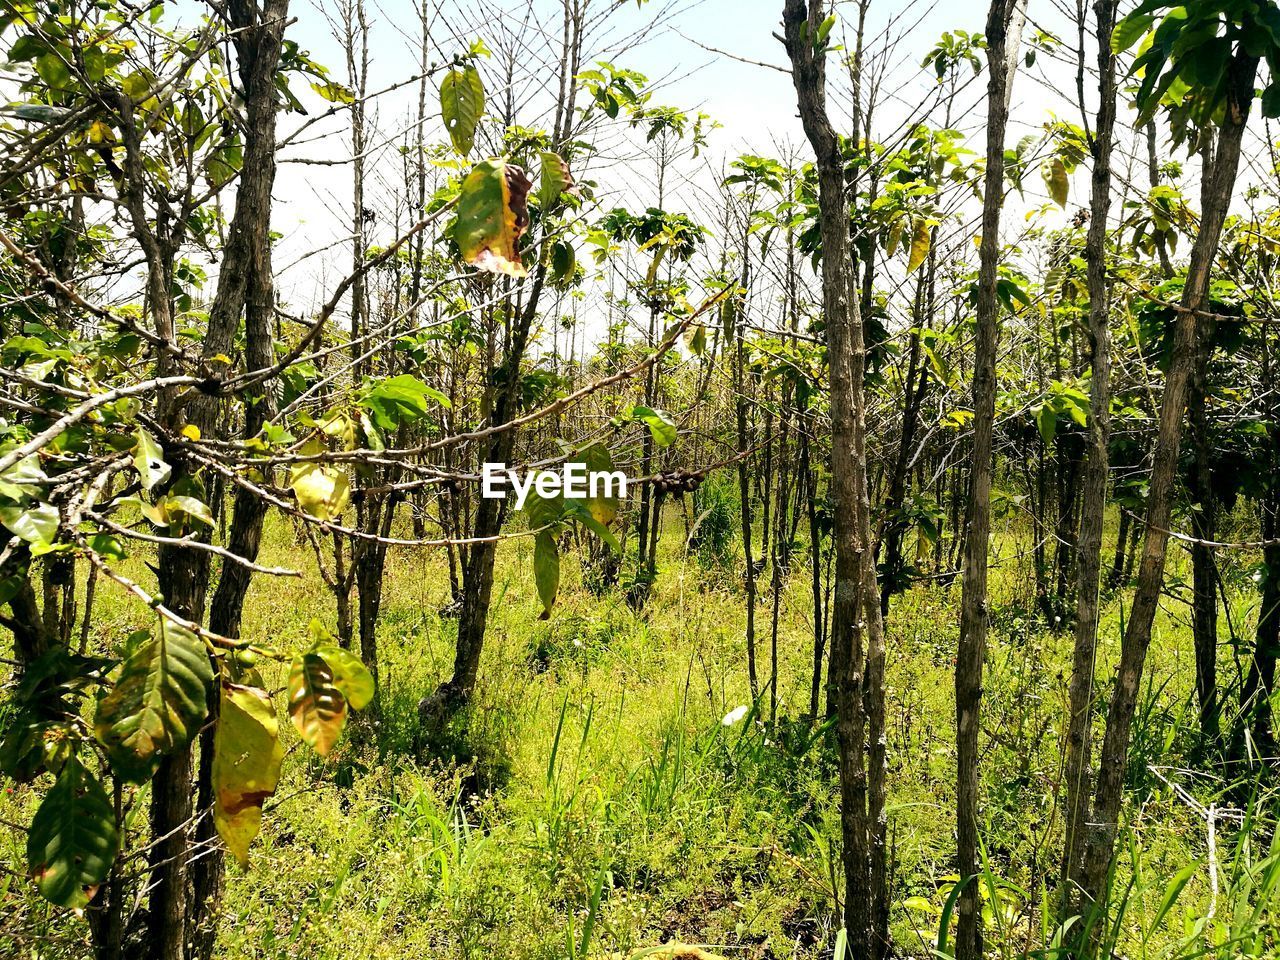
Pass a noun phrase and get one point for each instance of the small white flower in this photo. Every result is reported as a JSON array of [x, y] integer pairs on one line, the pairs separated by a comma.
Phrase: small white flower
[[733, 716]]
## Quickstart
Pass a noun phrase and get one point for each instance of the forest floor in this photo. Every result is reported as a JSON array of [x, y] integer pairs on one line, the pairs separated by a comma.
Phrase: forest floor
[[607, 794]]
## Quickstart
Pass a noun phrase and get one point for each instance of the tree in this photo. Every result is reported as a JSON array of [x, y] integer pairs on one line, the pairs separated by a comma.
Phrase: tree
[[856, 615], [1004, 27], [1093, 493], [1224, 68]]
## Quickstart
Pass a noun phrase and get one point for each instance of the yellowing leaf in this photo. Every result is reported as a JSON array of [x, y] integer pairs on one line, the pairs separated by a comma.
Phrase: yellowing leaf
[[1055, 178], [322, 491], [99, 132], [246, 765], [350, 676], [334, 92], [895, 237], [317, 707], [920, 240], [598, 460], [191, 431], [492, 214]]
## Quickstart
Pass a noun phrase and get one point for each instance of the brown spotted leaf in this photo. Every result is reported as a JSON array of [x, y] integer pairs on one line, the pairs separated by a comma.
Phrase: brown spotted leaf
[[246, 765], [493, 212], [556, 178], [73, 839], [316, 705], [157, 703]]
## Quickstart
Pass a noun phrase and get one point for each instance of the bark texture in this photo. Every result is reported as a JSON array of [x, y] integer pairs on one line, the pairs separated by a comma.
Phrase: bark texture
[[1094, 486], [973, 600], [1112, 766], [857, 631]]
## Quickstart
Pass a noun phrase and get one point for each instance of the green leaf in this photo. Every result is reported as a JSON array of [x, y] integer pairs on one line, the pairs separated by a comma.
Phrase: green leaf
[[224, 162], [1047, 422], [1171, 894], [316, 705], [108, 546], [824, 30], [577, 510], [546, 570], [1130, 30], [178, 506], [23, 480], [148, 460], [246, 765], [563, 261], [698, 340], [1270, 100], [492, 215], [401, 399], [10, 586], [73, 839], [1011, 295], [157, 704], [661, 426], [461, 104], [350, 675], [53, 69], [944, 918], [555, 179], [36, 525]]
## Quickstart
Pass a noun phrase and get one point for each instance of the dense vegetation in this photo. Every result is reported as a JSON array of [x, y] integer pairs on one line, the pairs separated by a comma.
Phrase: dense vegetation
[[940, 616]]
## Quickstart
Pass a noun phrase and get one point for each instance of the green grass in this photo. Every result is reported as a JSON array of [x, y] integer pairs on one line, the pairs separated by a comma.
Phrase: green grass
[[596, 803]]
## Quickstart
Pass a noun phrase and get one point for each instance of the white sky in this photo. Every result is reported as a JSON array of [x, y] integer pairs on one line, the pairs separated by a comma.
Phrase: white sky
[[755, 106]]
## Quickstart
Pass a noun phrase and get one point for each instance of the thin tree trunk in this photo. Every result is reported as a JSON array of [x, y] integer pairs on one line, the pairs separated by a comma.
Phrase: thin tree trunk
[[1112, 764], [914, 386], [477, 576], [1094, 485], [860, 713], [744, 476], [1122, 541], [1002, 18], [744, 496], [1259, 683], [1253, 736], [815, 563], [1204, 526]]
